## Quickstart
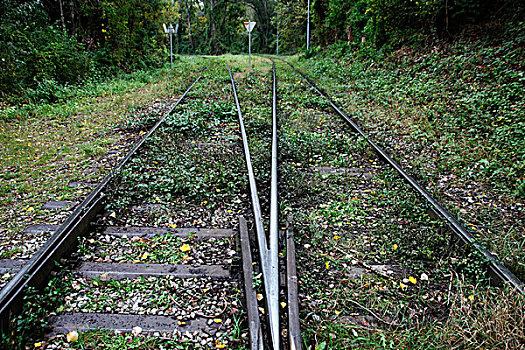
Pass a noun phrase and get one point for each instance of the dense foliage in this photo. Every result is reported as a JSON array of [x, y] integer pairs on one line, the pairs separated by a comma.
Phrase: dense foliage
[[48, 44]]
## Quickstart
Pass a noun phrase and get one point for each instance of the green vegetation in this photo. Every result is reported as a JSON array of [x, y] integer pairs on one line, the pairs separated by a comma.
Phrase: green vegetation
[[347, 223], [454, 114], [48, 47]]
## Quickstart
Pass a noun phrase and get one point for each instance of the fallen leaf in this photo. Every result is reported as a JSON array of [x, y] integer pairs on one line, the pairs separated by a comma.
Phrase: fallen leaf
[[145, 256], [412, 280], [260, 297], [219, 345], [37, 345], [395, 247], [424, 277], [337, 312], [185, 248], [337, 237], [136, 330], [471, 298], [72, 336], [283, 304], [327, 265], [402, 285], [217, 320]]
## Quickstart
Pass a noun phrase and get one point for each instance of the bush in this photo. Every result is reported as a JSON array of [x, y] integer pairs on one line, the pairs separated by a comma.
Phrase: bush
[[37, 58]]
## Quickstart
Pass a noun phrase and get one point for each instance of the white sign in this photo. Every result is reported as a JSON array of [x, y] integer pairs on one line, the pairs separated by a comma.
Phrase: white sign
[[249, 26], [165, 28]]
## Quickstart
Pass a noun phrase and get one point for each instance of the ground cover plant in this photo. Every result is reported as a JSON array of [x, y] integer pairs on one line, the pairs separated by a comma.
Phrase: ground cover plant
[[453, 116], [159, 249], [375, 270], [192, 168], [46, 147], [188, 164]]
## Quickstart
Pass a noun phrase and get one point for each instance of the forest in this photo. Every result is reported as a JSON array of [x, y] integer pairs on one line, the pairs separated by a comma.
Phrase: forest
[[48, 45]]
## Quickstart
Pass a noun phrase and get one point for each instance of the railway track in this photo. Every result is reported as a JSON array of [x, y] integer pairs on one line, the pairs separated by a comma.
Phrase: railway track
[[179, 241]]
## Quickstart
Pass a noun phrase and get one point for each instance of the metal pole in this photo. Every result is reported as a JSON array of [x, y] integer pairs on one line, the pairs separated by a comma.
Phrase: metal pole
[[308, 29], [171, 51], [250, 47], [171, 30]]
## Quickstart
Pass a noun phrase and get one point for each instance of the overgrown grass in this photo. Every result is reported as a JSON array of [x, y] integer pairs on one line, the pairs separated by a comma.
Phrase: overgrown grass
[[45, 147], [341, 222], [453, 117]]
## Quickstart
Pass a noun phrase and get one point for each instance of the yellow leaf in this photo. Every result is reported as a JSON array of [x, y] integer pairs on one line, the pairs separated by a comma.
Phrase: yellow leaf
[[471, 298], [283, 304], [217, 320], [37, 345], [402, 285], [395, 247], [72, 336], [337, 312], [30, 209], [95, 283], [261, 309], [173, 225], [327, 265], [185, 248], [219, 345], [91, 240], [145, 256], [337, 237], [259, 297], [412, 280]]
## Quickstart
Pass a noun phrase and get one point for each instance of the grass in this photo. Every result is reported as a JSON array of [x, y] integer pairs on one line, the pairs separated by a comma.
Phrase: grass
[[343, 223], [431, 295], [45, 147], [453, 118]]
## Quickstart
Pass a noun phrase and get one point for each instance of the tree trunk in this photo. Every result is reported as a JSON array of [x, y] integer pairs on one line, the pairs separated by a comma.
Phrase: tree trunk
[[62, 16], [188, 17]]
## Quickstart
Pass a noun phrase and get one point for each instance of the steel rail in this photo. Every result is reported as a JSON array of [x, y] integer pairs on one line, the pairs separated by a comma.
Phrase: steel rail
[[271, 281], [274, 214], [63, 240], [497, 269]]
